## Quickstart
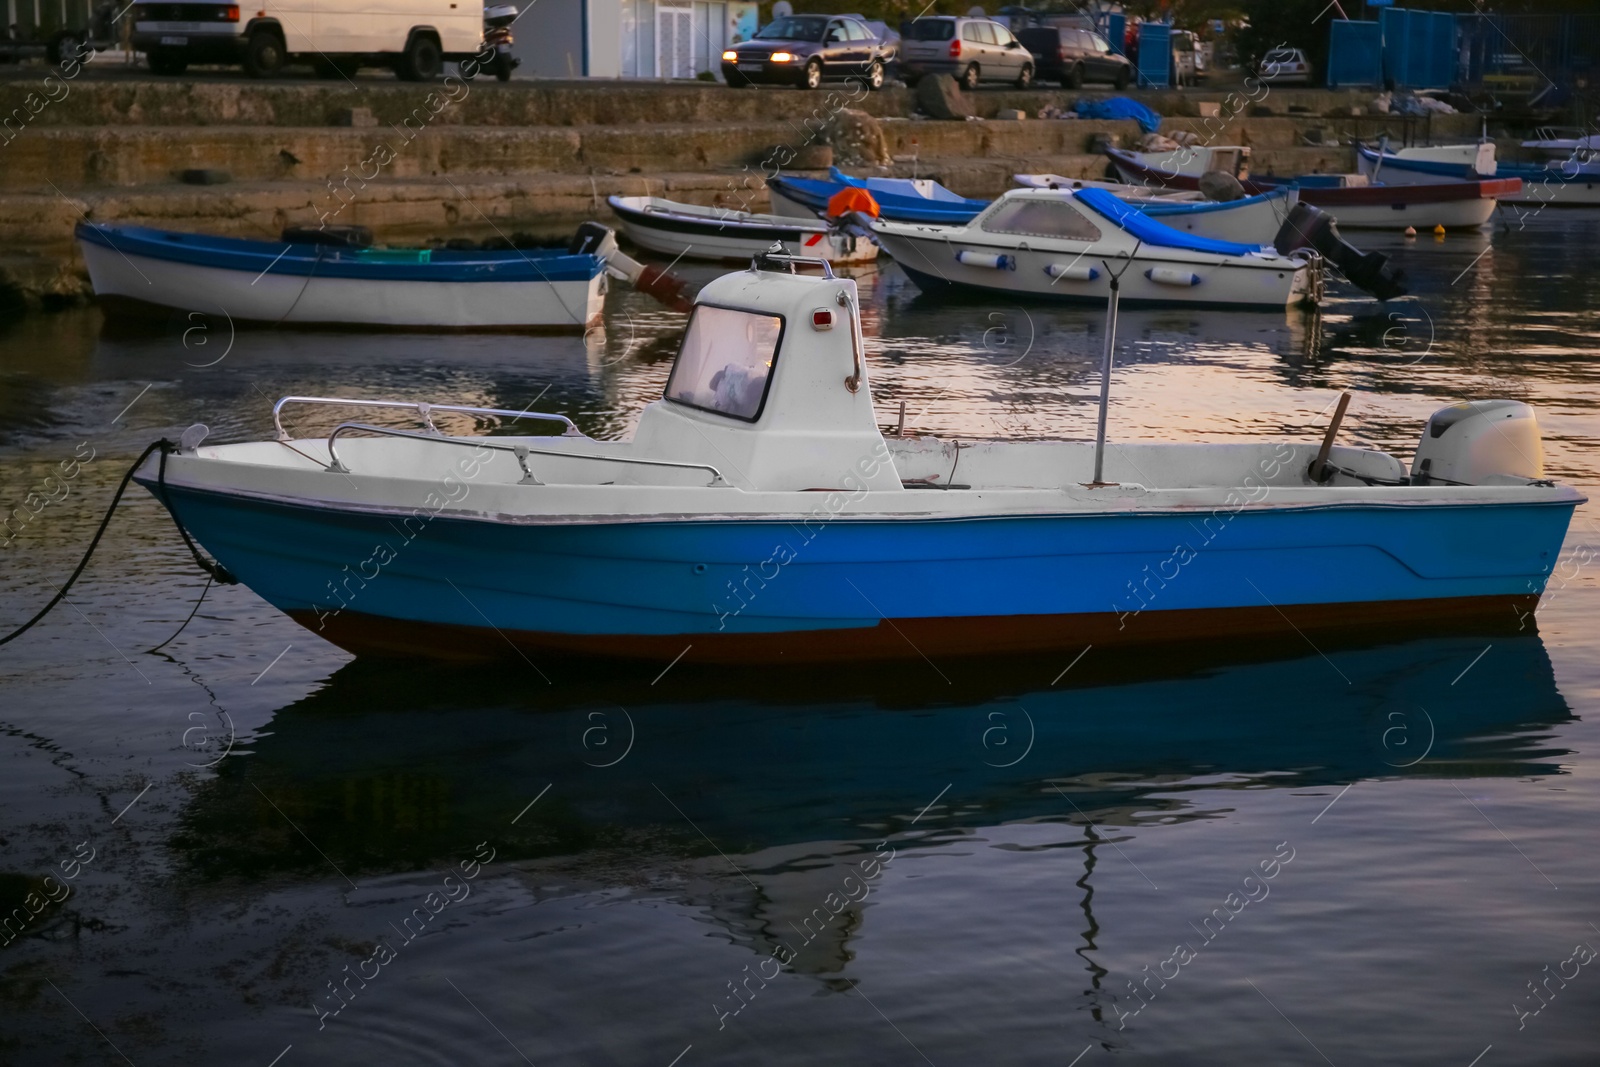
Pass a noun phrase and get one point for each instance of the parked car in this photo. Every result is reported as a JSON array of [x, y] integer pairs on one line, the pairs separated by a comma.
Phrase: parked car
[[415, 39], [1284, 65], [974, 50], [1073, 56], [805, 50], [888, 38], [99, 34]]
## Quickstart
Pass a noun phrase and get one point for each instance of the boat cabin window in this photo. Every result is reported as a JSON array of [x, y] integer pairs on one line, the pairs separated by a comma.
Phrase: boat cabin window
[[1041, 218], [725, 364]]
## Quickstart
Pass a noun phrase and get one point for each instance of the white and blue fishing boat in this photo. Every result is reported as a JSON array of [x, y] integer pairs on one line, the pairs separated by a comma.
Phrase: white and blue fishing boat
[[899, 199], [1572, 182], [330, 279], [759, 513]]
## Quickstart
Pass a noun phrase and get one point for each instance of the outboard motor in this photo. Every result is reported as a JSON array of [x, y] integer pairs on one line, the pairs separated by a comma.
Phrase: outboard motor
[[1309, 227], [595, 239], [1480, 442]]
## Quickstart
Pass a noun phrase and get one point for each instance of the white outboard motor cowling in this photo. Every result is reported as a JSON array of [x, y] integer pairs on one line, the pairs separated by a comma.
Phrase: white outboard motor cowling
[[1480, 442]]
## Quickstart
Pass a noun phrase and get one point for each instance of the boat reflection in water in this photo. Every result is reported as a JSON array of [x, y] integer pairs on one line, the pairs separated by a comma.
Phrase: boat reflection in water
[[804, 778]]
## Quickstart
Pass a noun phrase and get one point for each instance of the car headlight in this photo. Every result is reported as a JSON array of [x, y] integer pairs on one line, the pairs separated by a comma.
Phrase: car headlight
[[783, 57], [730, 56]]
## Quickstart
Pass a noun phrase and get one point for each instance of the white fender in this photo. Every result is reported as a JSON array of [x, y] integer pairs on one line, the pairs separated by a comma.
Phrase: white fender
[[1072, 272], [1172, 276], [986, 259]]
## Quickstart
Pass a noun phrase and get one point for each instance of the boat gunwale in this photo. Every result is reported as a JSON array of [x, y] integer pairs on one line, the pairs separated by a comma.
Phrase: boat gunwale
[[645, 216], [1562, 496], [245, 256]]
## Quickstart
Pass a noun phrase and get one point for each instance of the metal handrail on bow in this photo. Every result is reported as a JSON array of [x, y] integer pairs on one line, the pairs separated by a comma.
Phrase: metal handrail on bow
[[423, 409], [522, 452]]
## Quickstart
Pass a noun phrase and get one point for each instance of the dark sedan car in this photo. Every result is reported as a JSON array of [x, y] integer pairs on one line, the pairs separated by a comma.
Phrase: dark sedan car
[[804, 50], [1074, 56]]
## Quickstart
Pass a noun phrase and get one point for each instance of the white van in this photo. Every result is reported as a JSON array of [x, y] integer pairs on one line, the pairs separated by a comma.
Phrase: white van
[[413, 37]]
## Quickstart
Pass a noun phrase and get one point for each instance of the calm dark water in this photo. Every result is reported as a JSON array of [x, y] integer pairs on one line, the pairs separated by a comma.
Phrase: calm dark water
[[1211, 854]]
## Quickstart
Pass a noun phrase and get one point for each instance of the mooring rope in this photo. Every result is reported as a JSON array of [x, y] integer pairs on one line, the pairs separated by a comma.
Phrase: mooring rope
[[217, 571]]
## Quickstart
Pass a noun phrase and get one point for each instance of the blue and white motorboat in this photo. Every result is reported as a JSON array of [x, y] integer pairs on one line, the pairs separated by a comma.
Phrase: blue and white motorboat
[[1061, 245], [1572, 182], [324, 279], [759, 513], [1249, 219], [899, 199]]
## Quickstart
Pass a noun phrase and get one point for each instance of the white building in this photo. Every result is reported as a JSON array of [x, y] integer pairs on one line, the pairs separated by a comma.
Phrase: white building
[[629, 38]]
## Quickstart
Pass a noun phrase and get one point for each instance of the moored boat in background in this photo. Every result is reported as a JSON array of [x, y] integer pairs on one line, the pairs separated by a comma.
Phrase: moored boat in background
[[1571, 182], [1056, 245], [698, 232], [1353, 200], [900, 199], [307, 280]]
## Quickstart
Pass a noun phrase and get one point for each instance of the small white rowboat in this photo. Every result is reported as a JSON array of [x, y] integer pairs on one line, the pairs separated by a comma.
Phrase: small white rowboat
[[698, 232]]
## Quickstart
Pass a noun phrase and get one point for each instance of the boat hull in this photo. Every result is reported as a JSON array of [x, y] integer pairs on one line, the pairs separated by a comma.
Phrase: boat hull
[[130, 283], [1399, 210], [871, 587], [1582, 191], [930, 262], [1254, 220]]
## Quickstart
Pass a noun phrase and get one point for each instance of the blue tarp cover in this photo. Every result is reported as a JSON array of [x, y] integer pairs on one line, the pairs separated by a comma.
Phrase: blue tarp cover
[[1119, 107], [1152, 232]]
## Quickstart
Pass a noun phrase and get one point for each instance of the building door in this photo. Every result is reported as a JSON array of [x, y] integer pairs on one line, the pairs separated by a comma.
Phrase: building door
[[674, 42]]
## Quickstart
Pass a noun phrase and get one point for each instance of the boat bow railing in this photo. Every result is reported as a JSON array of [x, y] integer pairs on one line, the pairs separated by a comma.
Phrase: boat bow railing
[[522, 452], [424, 412]]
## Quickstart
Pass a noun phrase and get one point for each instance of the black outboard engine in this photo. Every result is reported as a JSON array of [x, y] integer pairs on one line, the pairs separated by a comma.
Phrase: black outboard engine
[[1308, 227], [1311, 227]]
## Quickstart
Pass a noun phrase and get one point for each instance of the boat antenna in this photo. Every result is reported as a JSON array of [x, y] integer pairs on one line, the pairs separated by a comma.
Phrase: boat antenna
[[1383, 150], [1105, 367]]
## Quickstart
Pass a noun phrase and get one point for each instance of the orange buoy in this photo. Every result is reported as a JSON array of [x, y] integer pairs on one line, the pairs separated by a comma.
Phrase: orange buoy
[[851, 199], [1439, 229]]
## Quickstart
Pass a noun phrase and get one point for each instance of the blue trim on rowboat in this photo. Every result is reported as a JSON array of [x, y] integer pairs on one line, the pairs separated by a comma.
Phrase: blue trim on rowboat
[[1456, 171], [1156, 233], [702, 226], [815, 194], [893, 186], [1528, 172], [324, 261]]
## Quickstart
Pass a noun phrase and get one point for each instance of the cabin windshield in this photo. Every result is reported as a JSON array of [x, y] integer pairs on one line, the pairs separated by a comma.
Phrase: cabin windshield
[[725, 364], [1040, 218]]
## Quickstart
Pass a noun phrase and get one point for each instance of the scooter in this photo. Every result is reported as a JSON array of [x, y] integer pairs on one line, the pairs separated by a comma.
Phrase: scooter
[[497, 22]]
